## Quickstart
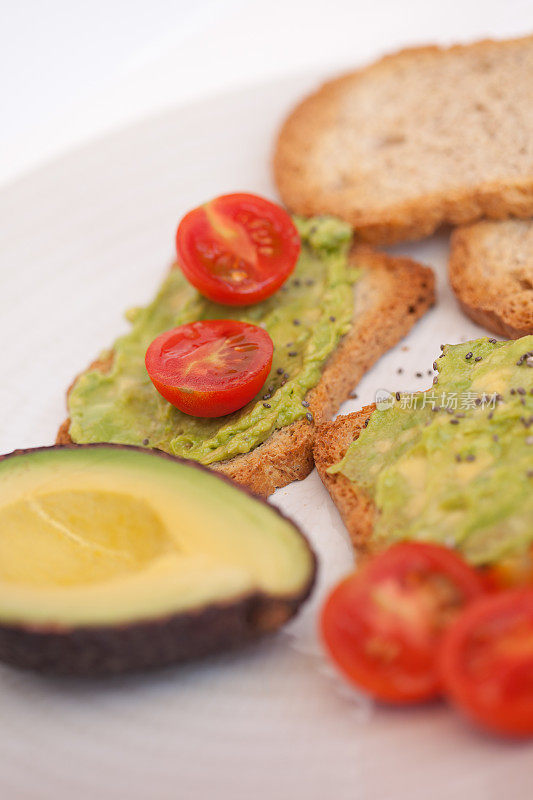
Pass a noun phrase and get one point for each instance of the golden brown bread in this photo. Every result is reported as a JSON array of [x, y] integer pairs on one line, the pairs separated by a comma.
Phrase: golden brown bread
[[422, 137], [391, 294], [491, 272], [355, 507]]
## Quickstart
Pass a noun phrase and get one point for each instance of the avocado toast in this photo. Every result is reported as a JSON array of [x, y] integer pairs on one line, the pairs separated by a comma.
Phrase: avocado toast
[[340, 310], [452, 465]]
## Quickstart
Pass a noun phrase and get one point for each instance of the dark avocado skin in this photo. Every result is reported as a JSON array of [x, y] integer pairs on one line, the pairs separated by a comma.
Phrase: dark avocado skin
[[93, 652], [138, 646]]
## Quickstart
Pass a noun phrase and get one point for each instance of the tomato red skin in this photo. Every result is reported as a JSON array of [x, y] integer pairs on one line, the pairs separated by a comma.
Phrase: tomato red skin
[[346, 625], [470, 693], [196, 236], [221, 394], [510, 573]]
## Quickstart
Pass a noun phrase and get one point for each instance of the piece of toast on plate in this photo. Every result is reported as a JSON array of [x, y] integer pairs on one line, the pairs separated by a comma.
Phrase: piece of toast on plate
[[491, 272], [422, 137], [451, 465], [389, 295]]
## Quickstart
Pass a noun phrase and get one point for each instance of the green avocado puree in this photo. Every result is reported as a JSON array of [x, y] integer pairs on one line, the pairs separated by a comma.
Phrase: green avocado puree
[[465, 478], [306, 319]]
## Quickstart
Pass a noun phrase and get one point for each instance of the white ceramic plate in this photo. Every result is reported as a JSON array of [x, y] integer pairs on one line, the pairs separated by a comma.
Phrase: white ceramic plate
[[82, 239]]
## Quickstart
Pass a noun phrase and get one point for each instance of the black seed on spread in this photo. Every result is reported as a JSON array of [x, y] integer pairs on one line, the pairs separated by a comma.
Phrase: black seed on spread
[[454, 422], [460, 416], [513, 391], [491, 414], [296, 322], [522, 401], [470, 457], [399, 370], [478, 358], [145, 442], [442, 347], [521, 390], [267, 396], [297, 282], [280, 370], [449, 410], [309, 416], [286, 376], [333, 319], [436, 408], [398, 396], [477, 401], [270, 388], [458, 457], [469, 355], [495, 437], [366, 423], [266, 405], [418, 374], [293, 353], [492, 341], [305, 403], [289, 344], [309, 282]]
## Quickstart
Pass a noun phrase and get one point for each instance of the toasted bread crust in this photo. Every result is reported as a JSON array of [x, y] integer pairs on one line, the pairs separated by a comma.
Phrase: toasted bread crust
[[390, 296], [333, 179], [491, 272], [355, 507]]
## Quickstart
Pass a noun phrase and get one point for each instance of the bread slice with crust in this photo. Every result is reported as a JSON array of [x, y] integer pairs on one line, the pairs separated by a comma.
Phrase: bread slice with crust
[[355, 506], [422, 137], [390, 295], [491, 272]]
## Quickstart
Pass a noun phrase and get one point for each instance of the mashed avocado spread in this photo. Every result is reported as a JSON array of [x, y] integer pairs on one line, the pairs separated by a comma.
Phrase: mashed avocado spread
[[454, 464], [306, 319]]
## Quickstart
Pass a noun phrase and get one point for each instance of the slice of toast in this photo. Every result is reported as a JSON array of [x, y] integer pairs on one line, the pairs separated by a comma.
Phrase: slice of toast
[[420, 138], [390, 295], [491, 272], [355, 506]]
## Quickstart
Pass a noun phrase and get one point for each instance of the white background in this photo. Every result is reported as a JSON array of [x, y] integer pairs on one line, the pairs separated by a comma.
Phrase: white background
[[70, 69], [91, 234]]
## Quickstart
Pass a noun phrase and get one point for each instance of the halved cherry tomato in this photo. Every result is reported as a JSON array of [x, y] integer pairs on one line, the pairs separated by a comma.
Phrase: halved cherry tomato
[[212, 367], [237, 249], [487, 662], [382, 624]]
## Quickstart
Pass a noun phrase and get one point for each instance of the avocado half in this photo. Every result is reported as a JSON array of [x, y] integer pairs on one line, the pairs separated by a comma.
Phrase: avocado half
[[117, 558]]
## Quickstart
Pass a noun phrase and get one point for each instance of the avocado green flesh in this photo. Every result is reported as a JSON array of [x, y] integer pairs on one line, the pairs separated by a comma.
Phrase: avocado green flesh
[[306, 319], [107, 535], [463, 479]]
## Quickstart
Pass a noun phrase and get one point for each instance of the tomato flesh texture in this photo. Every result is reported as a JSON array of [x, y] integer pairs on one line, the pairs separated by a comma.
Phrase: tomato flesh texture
[[210, 368], [382, 624], [237, 249], [510, 573], [487, 662]]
